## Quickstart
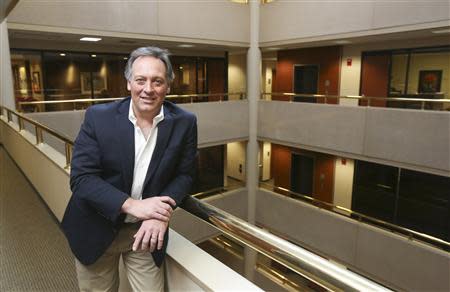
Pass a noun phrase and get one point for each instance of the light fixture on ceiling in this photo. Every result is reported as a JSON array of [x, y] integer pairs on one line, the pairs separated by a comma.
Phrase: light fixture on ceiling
[[246, 1], [90, 39], [273, 49], [185, 46], [125, 58], [447, 30], [93, 55], [62, 54], [342, 42]]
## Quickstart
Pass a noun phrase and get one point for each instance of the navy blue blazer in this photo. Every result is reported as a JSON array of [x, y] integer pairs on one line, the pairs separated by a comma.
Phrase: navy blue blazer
[[102, 173]]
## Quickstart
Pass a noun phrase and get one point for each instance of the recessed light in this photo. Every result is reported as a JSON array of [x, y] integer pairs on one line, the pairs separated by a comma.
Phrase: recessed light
[[125, 58], [342, 42], [93, 56], [442, 31], [185, 46], [90, 39], [62, 54]]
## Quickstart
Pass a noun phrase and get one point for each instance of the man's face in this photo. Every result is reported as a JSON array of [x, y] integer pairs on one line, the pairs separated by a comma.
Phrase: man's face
[[148, 86]]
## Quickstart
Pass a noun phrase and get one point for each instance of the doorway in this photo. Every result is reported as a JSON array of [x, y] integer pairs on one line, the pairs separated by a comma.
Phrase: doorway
[[302, 174], [305, 81]]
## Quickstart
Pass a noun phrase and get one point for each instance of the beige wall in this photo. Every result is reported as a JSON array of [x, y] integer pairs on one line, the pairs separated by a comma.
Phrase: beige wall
[[436, 61], [198, 21], [236, 155], [343, 182], [237, 66], [301, 21], [6, 82]]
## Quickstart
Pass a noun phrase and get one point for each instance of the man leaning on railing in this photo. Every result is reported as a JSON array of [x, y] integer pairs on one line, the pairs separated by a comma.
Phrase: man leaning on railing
[[133, 163]]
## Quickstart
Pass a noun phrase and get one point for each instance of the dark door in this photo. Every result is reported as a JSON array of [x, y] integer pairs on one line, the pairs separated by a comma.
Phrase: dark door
[[305, 81], [302, 173]]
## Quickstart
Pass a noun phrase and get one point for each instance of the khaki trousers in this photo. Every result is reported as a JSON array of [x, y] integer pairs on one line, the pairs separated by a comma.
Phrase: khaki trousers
[[103, 275]]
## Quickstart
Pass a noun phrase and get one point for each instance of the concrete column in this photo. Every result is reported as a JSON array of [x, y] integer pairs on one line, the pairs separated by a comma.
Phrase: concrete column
[[6, 81], [253, 96]]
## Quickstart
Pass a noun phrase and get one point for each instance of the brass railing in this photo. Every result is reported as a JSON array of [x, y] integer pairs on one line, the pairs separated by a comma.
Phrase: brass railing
[[422, 103], [411, 234], [182, 98], [39, 129], [303, 262]]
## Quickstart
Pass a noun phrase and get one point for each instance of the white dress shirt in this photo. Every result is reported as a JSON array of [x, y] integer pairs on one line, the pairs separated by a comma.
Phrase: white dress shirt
[[143, 152]]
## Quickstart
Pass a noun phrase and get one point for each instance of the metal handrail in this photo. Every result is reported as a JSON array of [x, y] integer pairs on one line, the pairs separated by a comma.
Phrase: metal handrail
[[369, 99], [39, 129], [305, 263], [309, 265], [411, 234], [95, 100]]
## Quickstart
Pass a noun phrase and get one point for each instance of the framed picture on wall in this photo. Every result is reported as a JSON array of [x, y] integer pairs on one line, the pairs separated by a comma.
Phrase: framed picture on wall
[[98, 81], [430, 81], [36, 82]]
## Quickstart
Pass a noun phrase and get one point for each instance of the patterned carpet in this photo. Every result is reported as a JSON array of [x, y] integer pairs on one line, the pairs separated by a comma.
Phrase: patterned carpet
[[34, 255]]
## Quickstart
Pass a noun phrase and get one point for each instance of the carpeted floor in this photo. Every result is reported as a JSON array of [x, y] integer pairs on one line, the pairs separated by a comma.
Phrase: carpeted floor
[[34, 254]]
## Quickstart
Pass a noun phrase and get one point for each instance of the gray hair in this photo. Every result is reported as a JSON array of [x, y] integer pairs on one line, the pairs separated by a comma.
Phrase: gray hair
[[155, 52]]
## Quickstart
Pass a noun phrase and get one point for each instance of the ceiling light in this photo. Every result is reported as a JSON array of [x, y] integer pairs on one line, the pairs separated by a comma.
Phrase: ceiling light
[[62, 54], [342, 42], [125, 58], [93, 56], [185, 46], [90, 39], [273, 49], [442, 31]]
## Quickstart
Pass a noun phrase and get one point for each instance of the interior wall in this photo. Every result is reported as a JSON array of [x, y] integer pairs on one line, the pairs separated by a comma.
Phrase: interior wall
[[328, 59], [350, 75], [237, 67], [343, 182], [236, 157], [375, 77], [163, 19], [266, 160], [6, 82], [323, 177], [300, 20], [425, 61]]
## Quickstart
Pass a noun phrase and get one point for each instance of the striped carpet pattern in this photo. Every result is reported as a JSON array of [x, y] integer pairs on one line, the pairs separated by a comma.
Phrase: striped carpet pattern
[[34, 255]]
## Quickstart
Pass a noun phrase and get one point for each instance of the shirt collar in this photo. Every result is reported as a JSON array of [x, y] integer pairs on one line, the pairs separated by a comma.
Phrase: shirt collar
[[158, 118]]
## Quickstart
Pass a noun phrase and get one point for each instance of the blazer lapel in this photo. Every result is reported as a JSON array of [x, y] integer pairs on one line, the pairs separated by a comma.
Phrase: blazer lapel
[[125, 134], [164, 132]]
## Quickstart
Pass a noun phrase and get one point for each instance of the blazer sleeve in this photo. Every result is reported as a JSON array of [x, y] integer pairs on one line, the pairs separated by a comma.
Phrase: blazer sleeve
[[182, 182], [86, 180]]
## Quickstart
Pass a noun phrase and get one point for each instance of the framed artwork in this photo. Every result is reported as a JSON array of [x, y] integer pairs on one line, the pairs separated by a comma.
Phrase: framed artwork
[[36, 82], [98, 81], [430, 81]]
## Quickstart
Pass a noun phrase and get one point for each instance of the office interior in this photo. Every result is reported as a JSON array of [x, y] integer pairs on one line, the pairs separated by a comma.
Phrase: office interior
[[330, 132]]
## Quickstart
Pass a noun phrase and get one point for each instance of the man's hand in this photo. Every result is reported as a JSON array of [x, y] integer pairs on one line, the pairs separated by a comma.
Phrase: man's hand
[[150, 235], [150, 208]]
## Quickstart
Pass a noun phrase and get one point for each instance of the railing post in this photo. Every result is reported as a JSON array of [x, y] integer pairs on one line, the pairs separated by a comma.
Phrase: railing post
[[39, 137], [68, 155], [21, 123], [422, 105], [9, 115]]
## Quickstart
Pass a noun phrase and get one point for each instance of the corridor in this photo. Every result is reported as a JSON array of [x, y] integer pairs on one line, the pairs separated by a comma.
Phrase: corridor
[[37, 258]]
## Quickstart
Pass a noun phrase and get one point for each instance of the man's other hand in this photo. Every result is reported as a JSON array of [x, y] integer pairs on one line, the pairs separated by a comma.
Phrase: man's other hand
[[151, 208], [150, 235]]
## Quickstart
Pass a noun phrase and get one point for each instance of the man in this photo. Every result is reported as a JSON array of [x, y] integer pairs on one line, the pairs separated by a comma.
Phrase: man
[[133, 162]]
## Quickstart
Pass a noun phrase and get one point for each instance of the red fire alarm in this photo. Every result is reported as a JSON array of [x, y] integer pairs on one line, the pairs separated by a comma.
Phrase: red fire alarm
[[349, 62], [343, 161]]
